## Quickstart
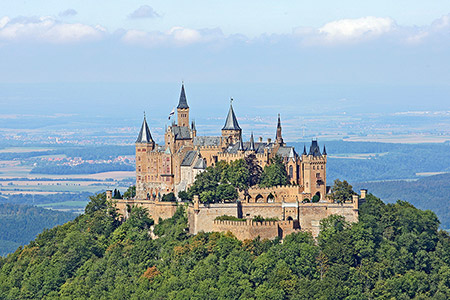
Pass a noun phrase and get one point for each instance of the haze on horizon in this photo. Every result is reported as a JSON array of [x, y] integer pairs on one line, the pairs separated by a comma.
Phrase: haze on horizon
[[105, 60]]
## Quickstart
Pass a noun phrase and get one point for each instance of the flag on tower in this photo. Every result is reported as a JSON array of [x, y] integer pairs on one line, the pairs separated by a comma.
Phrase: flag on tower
[[172, 113]]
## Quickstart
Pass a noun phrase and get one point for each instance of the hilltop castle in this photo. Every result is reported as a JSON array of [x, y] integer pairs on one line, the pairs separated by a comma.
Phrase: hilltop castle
[[172, 167]]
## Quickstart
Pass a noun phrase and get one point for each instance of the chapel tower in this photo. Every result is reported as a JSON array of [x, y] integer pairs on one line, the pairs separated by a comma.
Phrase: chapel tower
[[183, 109], [279, 138]]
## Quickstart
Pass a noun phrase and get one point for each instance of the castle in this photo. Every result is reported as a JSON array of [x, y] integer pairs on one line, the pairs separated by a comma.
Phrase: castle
[[172, 167]]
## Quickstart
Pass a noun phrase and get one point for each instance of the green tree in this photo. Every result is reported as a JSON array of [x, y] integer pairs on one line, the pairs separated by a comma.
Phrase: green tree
[[342, 191], [226, 192], [275, 173], [170, 197], [254, 170], [184, 196], [130, 192]]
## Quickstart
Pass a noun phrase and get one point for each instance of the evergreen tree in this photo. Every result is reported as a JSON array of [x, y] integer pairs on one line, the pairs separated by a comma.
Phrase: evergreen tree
[[275, 173]]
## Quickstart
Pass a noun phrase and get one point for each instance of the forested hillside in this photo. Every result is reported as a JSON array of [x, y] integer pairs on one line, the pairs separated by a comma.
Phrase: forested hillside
[[431, 192], [394, 252], [19, 224]]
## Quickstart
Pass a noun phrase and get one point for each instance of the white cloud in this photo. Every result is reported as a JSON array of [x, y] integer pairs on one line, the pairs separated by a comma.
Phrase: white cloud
[[178, 36], [68, 13], [47, 29], [144, 11], [356, 29]]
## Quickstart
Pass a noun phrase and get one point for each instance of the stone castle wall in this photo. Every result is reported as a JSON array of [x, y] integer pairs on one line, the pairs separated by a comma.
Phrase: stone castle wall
[[156, 209], [248, 229]]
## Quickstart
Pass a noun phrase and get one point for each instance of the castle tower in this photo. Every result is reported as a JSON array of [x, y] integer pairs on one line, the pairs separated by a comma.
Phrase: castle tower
[[144, 144], [314, 167], [231, 130], [279, 138], [183, 109], [252, 143]]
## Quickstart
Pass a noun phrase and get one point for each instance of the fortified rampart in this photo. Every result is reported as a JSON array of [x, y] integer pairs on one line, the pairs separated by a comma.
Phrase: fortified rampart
[[290, 216], [248, 229]]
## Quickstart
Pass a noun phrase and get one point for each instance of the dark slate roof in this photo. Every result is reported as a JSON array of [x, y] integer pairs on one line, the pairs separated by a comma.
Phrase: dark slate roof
[[241, 145], [324, 152], [314, 150], [200, 164], [286, 152], [259, 147], [231, 122], [182, 103], [189, 158], [181, 132], [304, 150], [144, 134], [193, 125], [207, 141]]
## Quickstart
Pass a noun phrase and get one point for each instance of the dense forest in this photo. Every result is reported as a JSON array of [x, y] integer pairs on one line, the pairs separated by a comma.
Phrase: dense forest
[[19, 224], [395, 251], [432, 192]]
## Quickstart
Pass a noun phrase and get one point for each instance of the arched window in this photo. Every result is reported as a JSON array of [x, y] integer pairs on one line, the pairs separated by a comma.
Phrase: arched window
[[291, 172]]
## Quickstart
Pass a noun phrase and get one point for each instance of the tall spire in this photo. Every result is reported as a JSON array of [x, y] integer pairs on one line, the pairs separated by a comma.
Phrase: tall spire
[[279, 138], [304, 150], [193, 125], [231, 122], [324, 152], [183, 102], [252, 143], [144, 134], [241, 145]]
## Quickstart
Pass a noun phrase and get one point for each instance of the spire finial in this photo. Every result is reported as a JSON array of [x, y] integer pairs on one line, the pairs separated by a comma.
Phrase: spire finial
[[144, 114], [231, 100]]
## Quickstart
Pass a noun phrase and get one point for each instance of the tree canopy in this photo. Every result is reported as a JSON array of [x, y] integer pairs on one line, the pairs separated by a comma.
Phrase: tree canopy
[[395, 251], [274, 174]]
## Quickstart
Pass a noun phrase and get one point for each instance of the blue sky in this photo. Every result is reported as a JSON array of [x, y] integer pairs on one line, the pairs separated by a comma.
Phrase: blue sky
[[270, 55], [374, 42]]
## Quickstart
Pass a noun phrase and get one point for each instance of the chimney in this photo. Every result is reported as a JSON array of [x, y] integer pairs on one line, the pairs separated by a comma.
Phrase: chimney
[[355, 198], [269, 140], [196, 203], [363, 193]]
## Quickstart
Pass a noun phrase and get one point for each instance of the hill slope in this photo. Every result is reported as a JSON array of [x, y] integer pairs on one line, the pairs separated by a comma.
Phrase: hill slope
[[19, 224], [395, 251], [431, 192]]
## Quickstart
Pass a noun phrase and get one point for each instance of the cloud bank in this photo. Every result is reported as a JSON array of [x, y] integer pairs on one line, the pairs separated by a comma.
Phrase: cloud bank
[[336, 33], [47, 29]]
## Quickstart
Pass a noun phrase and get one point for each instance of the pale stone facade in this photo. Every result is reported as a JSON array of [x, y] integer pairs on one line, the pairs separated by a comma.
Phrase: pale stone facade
[[172, 167]]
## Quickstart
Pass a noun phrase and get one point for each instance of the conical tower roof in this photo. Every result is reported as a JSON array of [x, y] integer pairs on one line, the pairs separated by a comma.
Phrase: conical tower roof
[[183, 102], [252, 143], [231, 122], [144, 134], [241, 145], [304, 150], [324, 152]]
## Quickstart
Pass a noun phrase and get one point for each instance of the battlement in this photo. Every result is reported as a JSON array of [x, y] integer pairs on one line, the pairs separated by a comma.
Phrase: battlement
[[251, 223], [249, 229]]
